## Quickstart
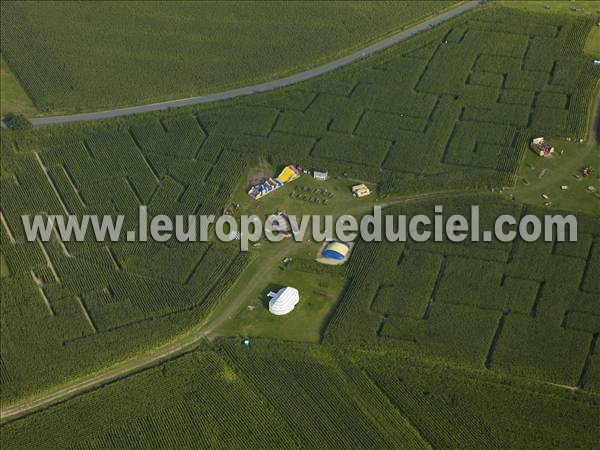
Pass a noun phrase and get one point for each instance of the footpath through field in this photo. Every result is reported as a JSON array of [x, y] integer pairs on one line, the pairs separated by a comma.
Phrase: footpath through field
[[180, 345], [270, 85]]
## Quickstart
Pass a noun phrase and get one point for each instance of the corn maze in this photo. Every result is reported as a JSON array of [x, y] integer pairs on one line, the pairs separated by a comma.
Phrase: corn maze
[[522, 309], [450, 109], [299, 396], [69, 298]]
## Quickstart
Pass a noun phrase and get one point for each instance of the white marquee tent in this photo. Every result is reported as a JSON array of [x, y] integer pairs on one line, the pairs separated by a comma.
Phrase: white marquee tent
[[283, 301]]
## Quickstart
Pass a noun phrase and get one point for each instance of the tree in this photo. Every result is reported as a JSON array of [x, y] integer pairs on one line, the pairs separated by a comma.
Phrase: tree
[[16, 121]]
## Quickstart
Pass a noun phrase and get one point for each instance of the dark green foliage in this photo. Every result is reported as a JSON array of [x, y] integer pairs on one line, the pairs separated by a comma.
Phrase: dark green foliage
[[181, 403], [16, 121], [321, 404], [451, 109], [551, 100], [490, 79], [298, 396], [83, 56], [134, 292], [351, 149], [456, 409], [521, 309], [411, 284]]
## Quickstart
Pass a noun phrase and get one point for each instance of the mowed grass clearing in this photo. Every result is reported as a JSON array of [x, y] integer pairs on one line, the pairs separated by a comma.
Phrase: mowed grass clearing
[[319, 293], [84, 56], [305, 195], [592, 44], [13, 98], [546, 176]]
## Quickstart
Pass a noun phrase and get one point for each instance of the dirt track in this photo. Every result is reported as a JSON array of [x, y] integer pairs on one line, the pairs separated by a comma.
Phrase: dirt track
[[180, 345]]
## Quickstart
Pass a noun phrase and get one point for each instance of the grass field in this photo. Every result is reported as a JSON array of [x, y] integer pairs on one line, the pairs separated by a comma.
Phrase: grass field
[[301, 197], [320, 292], [13, 98], [592, 45], [547, 176], [436, 343], [320, 286], [89, 57]]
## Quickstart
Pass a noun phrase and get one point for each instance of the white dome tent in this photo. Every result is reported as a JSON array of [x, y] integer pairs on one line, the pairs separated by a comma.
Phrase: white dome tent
[[283, 301]]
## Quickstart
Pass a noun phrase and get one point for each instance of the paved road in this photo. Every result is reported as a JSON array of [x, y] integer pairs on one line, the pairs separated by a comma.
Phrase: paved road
[[270, 85]]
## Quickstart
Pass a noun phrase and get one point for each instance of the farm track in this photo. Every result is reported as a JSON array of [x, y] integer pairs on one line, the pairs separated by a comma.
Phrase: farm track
[[263, 87], [181, 345]]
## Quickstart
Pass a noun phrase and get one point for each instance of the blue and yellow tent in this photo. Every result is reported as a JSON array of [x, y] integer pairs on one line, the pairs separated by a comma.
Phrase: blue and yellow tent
[[336, 250]]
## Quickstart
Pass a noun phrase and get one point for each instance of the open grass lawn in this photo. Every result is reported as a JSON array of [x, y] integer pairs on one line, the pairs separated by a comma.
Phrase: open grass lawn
[[592, 44], [539, 176], [319, 293], [13, 98], [305, 195], [86, 55]]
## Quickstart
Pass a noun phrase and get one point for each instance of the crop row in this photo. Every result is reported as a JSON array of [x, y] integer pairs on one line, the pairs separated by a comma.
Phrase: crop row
[[468, 302]]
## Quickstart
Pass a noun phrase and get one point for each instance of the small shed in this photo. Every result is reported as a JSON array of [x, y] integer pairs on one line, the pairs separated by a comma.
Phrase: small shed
[[360, 190], [321, 175], [541, 147]]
